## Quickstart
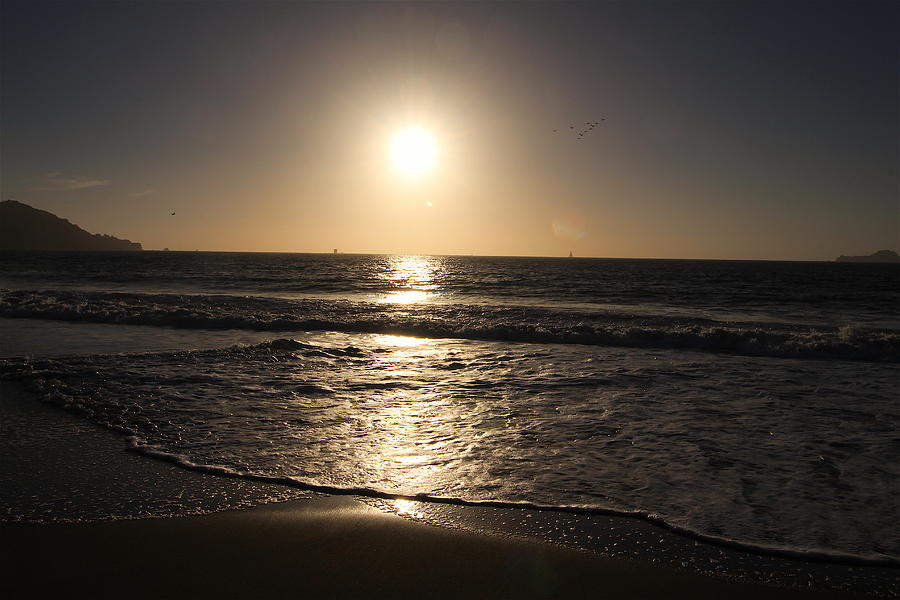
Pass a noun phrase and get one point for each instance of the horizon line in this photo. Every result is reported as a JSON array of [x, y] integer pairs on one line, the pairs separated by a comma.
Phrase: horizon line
[[332, 253]]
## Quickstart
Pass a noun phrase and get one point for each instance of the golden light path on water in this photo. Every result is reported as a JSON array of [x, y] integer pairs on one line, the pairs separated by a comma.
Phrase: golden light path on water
[[413, 276], [406, 410], [413, 411], [419, 438]]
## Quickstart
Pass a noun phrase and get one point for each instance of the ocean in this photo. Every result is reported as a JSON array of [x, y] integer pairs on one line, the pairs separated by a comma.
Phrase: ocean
[[747, 403]]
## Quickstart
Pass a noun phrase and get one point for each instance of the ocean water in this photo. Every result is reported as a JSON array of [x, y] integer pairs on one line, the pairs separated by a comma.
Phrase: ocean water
[[750, 403]]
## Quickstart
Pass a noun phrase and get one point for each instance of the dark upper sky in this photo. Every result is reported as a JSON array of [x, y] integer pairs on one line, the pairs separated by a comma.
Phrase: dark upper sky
[[732, 129]]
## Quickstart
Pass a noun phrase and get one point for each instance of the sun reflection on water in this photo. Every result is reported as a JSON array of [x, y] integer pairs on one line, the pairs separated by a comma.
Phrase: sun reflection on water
[[399, 340], [405, 297], [411, 425], [407, 507], [411, 277]]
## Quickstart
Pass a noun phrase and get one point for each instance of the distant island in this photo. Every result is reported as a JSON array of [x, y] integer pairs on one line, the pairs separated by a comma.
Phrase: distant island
[[25, 228], [882, 256]]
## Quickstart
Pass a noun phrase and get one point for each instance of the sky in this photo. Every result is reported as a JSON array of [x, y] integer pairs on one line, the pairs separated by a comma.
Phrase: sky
[[732, 130]]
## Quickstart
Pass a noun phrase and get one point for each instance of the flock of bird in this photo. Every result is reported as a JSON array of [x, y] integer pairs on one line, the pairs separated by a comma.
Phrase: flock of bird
[[588, 127]]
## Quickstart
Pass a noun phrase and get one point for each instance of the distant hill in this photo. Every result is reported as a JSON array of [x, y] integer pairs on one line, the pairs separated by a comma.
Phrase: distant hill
[[25, 228], [882, 256]]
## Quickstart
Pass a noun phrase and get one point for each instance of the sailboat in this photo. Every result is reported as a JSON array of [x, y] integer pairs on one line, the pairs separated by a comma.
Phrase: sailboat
[[570, 254]]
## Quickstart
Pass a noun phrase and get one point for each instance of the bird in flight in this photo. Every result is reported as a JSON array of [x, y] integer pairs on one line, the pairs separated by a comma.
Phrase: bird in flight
[[583, 131], [173, 212]]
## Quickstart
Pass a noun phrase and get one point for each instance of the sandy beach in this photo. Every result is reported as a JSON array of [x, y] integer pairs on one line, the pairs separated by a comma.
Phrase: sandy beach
[[314, 547], [330, 547]]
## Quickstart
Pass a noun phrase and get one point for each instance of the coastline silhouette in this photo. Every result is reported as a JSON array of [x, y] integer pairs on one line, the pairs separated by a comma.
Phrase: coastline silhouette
[[882, 256], [23, 227]]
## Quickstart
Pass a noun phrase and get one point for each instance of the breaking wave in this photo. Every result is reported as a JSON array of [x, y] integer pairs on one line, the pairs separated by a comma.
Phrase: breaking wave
[[463, 321]]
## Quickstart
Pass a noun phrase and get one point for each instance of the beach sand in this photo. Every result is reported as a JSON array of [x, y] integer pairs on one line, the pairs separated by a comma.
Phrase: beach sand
[[312, 547]]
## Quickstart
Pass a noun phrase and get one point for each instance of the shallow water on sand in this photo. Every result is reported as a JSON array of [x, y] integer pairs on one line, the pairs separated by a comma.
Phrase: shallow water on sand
[[719, 446]]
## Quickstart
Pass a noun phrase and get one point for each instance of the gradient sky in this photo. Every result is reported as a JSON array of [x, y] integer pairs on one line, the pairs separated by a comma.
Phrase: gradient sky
[[745, 130]]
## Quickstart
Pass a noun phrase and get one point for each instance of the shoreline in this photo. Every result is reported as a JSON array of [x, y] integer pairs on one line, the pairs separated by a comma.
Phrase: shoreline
[[313, 544]]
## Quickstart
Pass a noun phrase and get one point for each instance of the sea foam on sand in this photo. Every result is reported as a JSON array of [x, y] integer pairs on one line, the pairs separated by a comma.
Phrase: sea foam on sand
[[313, 547]]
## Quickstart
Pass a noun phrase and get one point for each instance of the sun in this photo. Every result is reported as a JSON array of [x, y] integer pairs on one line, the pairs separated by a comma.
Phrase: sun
[[414, 151]]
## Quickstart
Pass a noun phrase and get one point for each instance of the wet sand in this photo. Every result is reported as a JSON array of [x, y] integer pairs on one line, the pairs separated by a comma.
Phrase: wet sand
[[327, 547]]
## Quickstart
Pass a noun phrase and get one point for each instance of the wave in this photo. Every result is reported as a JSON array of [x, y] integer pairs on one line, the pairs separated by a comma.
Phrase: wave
[[879, 560], [464, 321]]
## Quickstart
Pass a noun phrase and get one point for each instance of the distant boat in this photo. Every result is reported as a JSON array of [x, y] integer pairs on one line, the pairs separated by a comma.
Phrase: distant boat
[[335, 251], [570, 254]]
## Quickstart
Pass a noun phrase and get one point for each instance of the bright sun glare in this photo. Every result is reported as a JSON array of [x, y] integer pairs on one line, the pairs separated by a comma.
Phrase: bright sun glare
[[413, 151]]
